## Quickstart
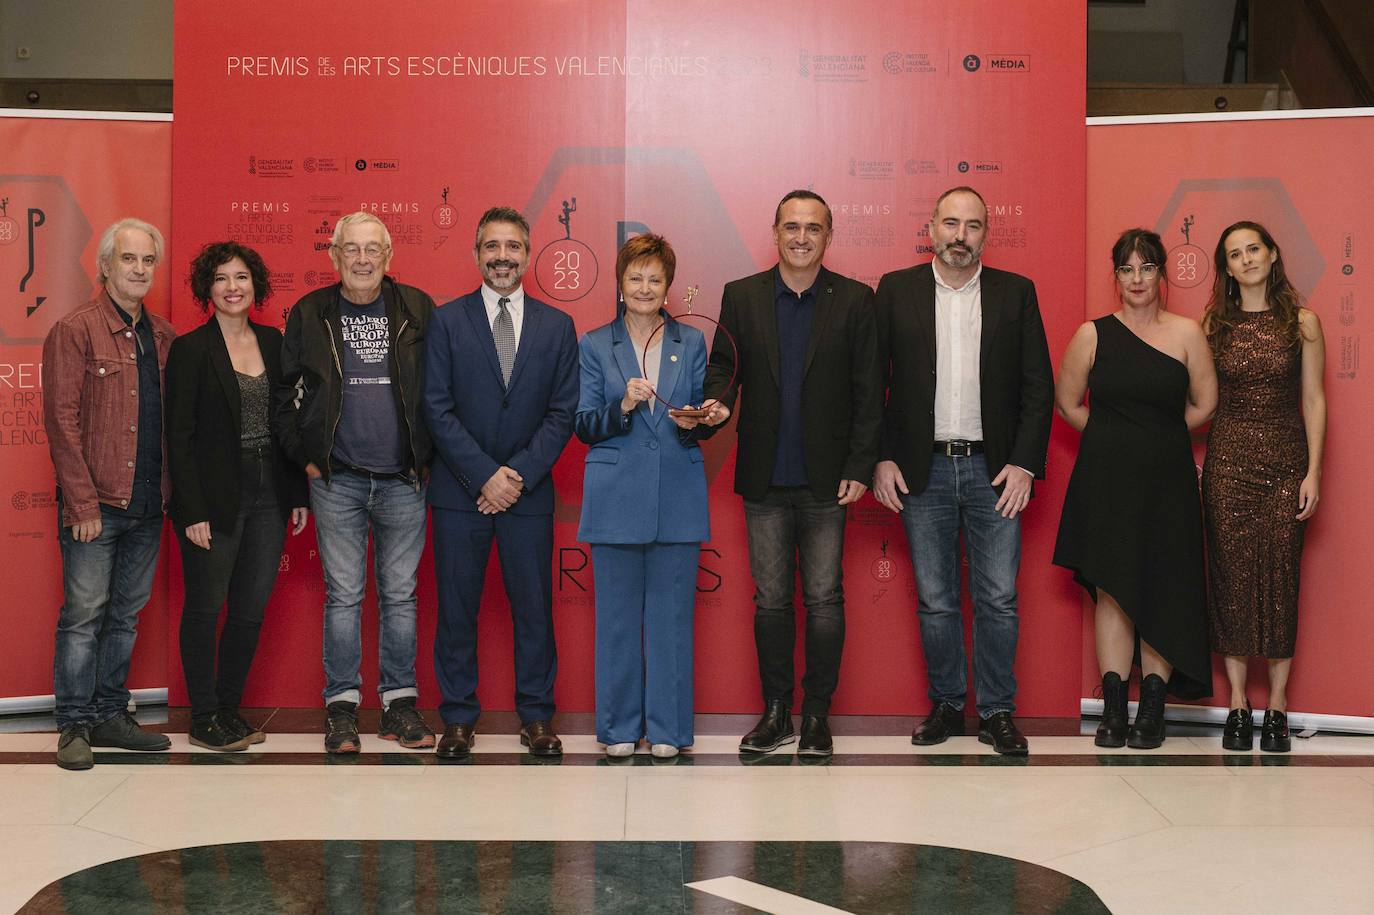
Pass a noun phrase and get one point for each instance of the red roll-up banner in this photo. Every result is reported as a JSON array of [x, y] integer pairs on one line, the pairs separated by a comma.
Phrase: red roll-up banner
[[1300, 175], [63, 179]]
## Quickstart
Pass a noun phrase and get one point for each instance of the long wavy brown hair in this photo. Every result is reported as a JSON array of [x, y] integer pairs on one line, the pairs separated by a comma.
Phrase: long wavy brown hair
[[1223, 307]]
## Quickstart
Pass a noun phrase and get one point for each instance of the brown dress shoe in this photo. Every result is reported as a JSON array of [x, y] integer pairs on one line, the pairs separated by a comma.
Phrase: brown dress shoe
[[540, 738], [457, 742]]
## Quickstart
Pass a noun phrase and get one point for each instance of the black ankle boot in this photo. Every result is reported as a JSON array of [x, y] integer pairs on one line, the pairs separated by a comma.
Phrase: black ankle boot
[[1239, 733], [1148, 730], [773, 730], [1274, 734], [1112, 731]]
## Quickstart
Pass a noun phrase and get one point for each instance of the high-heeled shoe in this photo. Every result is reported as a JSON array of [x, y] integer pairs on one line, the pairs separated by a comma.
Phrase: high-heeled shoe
[[1112, 731], [1274, 734], [1239, 733]]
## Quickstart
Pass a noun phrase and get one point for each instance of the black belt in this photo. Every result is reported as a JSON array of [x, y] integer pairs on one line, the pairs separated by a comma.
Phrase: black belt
[[957, 448], [403, 475]]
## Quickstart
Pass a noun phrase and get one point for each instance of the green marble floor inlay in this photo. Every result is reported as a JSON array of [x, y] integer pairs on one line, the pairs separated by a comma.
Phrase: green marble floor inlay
[[343, 876]]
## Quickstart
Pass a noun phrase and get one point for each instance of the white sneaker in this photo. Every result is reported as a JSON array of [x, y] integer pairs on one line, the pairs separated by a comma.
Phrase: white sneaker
[[618, 750], [663, 750]]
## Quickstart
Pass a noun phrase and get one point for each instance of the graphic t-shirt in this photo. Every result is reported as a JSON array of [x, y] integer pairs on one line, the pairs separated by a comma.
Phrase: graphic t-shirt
[[369, 434]]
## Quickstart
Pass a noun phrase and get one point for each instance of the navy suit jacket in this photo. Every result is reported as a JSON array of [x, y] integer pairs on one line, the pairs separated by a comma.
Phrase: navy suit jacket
[[478, 424], [645, 481]]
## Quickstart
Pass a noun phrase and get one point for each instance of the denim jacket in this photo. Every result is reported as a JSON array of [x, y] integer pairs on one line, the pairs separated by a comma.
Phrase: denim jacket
[[90, 406]]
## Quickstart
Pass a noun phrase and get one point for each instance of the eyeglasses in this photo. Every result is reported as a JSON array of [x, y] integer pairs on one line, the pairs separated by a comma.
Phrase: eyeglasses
[[352, 252], [1146, 271]]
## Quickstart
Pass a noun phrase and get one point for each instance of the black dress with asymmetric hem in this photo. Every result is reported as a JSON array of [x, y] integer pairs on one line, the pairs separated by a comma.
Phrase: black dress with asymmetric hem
[[1132, 521]]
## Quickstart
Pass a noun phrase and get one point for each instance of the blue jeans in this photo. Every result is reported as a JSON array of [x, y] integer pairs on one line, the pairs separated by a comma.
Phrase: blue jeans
[[786, 524], [958, 496], [105, 583], [344, 507]]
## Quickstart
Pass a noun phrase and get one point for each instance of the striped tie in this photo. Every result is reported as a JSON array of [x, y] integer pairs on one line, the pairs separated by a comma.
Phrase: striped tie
[[503, 332]]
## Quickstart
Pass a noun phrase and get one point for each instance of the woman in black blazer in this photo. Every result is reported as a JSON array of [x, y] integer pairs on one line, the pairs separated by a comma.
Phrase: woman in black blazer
[[233, 490]]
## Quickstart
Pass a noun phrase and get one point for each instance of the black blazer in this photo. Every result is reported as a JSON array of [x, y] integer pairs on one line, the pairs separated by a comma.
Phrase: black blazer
[[203, 429], [1016, 383], [841, 396]]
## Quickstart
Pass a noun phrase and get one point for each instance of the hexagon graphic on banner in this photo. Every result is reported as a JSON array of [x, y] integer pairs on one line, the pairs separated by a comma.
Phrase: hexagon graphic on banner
[[1193, 217]]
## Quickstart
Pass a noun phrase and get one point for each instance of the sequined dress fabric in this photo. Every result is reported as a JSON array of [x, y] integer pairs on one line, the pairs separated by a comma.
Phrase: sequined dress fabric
[[1256, 461]]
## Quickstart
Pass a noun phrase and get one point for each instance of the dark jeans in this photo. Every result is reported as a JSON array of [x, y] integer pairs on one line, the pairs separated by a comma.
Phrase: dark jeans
[[787, 524], [105, 584], [958, 498], [240, 568]]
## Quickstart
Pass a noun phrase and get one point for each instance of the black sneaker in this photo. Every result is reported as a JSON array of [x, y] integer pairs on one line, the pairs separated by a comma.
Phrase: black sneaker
[[74, 748], [402, 723], [123, 732], [217, 732], [341, 728], [254, 735]]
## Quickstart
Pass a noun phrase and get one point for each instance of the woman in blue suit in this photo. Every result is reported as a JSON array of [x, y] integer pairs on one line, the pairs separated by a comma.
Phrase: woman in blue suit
[[643, 505]]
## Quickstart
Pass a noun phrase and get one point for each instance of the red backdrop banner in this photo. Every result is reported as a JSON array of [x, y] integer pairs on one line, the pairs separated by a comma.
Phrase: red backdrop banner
[[1300, 178], [601, 120], [62, 182]]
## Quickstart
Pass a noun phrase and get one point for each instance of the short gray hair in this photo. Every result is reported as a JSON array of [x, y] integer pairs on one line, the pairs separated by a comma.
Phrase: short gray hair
[[360, 216], [107, 241]]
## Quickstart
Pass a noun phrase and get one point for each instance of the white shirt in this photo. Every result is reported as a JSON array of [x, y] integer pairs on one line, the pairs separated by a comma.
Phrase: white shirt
[[958, 338], [516, 307]]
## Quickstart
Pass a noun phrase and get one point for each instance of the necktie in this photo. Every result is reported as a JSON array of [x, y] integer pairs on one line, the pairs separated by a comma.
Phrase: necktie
[[503, 332]]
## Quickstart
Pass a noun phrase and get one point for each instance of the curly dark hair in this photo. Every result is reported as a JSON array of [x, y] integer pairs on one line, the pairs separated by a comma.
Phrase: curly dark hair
[[217, 254], [1223, 306]]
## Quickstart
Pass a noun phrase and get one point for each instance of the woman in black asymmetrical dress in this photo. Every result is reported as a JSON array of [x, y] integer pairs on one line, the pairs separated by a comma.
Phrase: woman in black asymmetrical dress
[[1132, 524]]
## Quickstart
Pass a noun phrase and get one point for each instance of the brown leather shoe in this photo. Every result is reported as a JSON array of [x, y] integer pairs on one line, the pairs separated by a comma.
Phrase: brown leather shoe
[[457, 742], [540, 738]]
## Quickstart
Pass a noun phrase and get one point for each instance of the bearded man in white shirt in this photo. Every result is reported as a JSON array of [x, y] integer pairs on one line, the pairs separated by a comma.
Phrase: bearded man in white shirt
[[966, 426]]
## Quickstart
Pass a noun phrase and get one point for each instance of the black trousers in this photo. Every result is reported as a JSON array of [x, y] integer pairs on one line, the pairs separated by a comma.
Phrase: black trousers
[[239, 570]]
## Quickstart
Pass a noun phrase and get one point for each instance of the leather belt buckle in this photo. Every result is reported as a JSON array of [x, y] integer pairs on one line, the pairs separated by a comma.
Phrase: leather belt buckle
[[958, 448]]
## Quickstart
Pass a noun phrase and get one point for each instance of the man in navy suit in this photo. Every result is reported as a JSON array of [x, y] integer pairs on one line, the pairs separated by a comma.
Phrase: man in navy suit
[[501, 390]]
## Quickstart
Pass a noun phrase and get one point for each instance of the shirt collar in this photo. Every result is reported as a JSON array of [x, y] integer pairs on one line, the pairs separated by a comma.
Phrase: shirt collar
[[780, 288], [491, 298], [971, 286], [124, 316]]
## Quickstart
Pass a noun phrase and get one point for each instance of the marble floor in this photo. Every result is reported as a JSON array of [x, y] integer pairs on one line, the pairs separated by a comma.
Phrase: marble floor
[[884, 827]]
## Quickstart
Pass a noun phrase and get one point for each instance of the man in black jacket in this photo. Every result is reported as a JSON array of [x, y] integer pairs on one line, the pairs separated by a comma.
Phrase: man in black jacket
[[348, 411], [808, 438], [965, 431]]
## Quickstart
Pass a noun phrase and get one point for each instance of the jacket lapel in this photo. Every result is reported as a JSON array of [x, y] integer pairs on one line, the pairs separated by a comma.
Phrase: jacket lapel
[[223, 368], [925, 309], [820, 316], [670, 371], [271, 355], [768, 321], [529, 335], [627, 360], [991, 296], [481, 330]]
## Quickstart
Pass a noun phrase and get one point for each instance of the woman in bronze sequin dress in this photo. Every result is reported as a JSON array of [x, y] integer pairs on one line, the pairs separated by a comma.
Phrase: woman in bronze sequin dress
[[1261, 479]]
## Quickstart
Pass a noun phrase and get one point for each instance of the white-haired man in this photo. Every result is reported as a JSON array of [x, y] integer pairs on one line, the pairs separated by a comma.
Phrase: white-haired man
[[348, 411], [102, 409]]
